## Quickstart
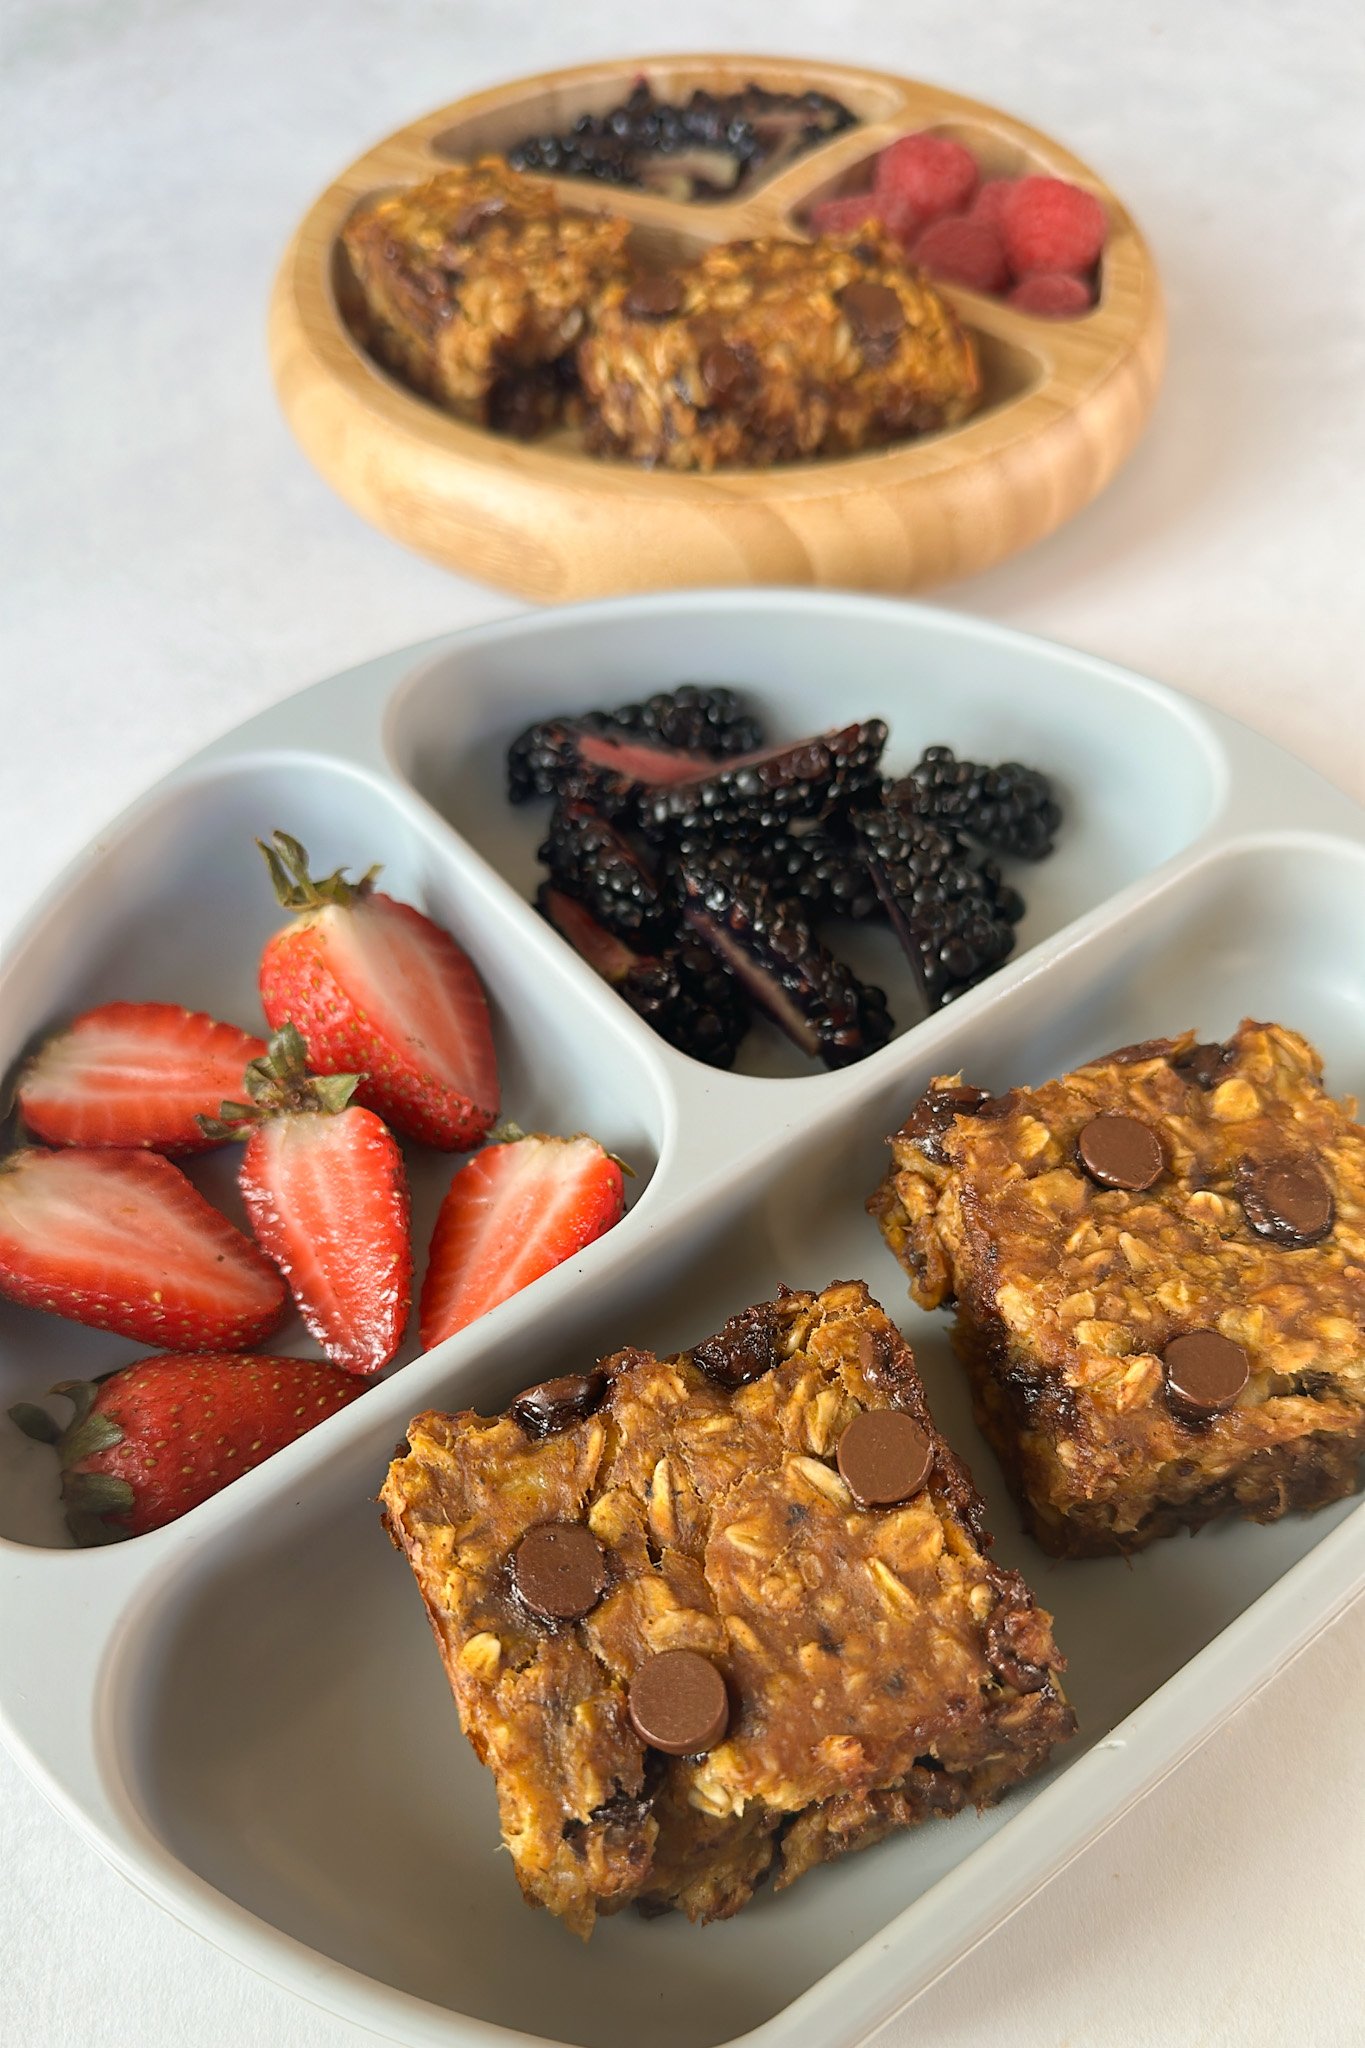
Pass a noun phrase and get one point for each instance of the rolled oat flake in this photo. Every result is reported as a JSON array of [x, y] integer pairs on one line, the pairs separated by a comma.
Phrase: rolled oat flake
[[1205, 1372], [559, 1570], [1121, 1152], [884, 1457], [678, 1703]]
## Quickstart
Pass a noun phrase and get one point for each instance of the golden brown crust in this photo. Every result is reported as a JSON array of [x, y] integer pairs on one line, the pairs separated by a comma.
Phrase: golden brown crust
[[766, 359], [478, 284], [868, 1655], [1067, 1293]]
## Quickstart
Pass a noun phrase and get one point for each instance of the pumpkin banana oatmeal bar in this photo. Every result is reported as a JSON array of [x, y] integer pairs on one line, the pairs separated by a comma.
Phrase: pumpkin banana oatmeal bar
[[764, 351], [1158, 1266], [725, 1615], [477, 286]]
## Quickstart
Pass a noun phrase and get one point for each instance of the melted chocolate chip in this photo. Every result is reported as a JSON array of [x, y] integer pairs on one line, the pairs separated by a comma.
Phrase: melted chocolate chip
[[557, 1404], [477, 215], [875, 315], [1121, 1152], [1204, 1372], [656, 297], [884, 1457], [559, 1570], [931, 1119], [1286, 1200], [748, 1346], [727, 373], [678, 1703], [1204, 1065], [1134, 1055]]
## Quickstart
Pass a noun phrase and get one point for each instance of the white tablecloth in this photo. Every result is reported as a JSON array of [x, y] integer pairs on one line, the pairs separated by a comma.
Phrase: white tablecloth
[[170, 564]]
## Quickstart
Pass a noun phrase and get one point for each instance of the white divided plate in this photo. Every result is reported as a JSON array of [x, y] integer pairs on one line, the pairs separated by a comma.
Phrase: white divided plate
[[244, 1711]]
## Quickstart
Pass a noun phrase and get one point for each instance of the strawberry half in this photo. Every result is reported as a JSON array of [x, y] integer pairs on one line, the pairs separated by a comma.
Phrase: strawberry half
[[122, 1241], [327, 1194], [131, 1074], [150, 1442], [518, 1210], [380, 991]]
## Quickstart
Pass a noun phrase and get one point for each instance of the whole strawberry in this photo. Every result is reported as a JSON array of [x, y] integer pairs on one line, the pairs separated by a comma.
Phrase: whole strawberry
[[150, 1442], [131, 1074], [122, 1241], [380, 991], [327, 1194]]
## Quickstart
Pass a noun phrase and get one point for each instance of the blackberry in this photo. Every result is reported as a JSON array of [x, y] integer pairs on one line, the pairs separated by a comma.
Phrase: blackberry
[[754, 793], [684, 993], [823, 867], [781, 965], [690, 719], [585, 759], [591, 860], [954, 919], [1010, 807]]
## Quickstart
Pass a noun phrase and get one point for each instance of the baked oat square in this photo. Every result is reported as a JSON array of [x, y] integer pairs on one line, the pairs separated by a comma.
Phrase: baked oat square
[[1158, 1266], [725, 1615]]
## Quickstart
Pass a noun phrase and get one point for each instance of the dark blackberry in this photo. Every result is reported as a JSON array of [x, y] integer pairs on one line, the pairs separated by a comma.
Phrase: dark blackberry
[[1010, 807], [690, 719], [954, 919], [824, 868], [755, 793], [590, 859], [781, 965], [684, 993], [586, 759]]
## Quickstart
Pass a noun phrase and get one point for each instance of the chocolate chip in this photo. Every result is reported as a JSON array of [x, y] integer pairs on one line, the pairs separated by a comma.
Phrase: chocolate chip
[[678, 1703], [1286, 1200], [559, 1570], [884, 1457], [727, 373], [1204, 1372], [1203, 1065], [748, 1346], [653, 298], [1121, 1152], [478, 214], [932, 1117], [1136, 1054], [557, 1404], [875, 315]]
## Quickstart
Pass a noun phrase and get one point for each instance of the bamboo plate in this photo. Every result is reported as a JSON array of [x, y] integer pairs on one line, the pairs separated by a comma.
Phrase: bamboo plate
[[1065, 400]]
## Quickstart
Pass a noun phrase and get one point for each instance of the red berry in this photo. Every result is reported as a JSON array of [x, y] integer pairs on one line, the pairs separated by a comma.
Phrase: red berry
[[934, 174], [1051, 225], [1053, 294], [890, 210], [989, 203], [134, 1074], [967, 252], [154, 1439]]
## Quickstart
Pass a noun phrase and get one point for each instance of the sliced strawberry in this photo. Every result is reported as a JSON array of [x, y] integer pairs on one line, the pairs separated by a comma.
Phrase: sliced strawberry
[[327, 1193], [131, 1074], [122, 1241], [378, 990], [150, 1442], [515, 1212]]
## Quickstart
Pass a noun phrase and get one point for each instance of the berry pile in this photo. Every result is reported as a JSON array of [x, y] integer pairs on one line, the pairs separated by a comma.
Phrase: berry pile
[[690, 865], [1034, 241], [705, 148], [380, 1030]]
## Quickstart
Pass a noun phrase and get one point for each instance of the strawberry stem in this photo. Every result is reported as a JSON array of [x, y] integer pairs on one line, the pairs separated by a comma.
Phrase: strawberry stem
[[87, 1496], [296, 889], [280, 1084]]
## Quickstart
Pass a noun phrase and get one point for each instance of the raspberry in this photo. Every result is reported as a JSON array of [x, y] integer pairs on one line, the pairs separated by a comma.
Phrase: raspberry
[[966, 252], [845, 216], [989, 202], [934, 174], [1050, 225], [1053, 294]]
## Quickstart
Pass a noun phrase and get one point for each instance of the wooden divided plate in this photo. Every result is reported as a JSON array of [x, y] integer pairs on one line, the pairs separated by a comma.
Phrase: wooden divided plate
[[1064, 403]]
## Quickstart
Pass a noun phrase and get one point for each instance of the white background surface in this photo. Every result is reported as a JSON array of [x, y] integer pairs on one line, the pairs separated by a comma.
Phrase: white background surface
[[168, 565]]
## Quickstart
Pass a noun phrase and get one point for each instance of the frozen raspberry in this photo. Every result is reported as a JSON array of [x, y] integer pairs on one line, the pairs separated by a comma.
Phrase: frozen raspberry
[[966, 252], [1053, 294], [989, 203], [1050, 225], [845, 216], [934, 174]]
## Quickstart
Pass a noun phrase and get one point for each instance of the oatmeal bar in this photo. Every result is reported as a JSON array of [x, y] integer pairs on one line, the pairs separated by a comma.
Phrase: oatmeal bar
[[763, 351], [1158, 1264], [723, 1615], [477, 287]]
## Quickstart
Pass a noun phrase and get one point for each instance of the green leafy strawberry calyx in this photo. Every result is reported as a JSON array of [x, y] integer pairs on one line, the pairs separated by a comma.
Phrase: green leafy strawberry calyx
[[279, 1084], [88, 1497], [295, 887]]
